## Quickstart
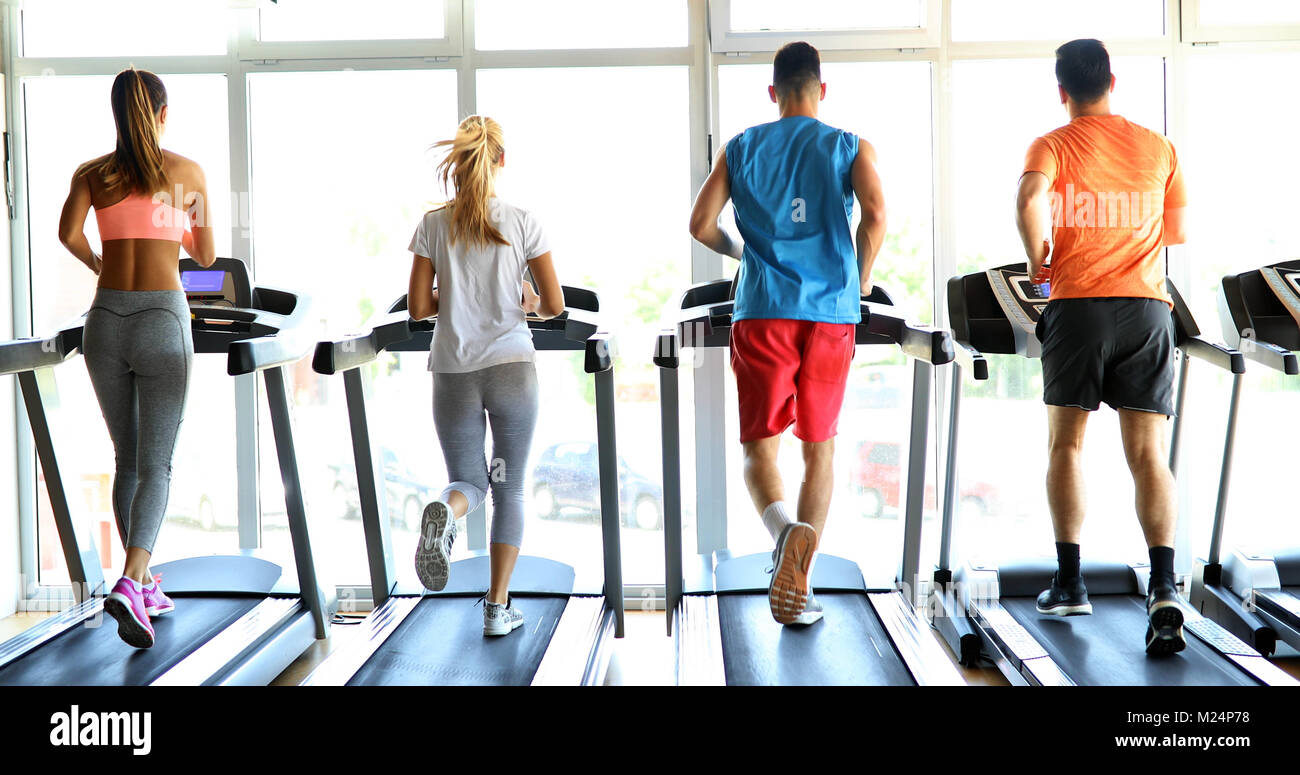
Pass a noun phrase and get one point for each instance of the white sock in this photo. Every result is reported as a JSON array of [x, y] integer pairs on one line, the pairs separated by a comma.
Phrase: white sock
[[775, 518], [151, 584], [134, 584]]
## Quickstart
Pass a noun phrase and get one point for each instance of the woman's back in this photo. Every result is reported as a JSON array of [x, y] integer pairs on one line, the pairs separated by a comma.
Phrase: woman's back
[[481, 322]]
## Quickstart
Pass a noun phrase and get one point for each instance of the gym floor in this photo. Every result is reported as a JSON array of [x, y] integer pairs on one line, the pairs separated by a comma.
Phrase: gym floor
[[644, 657]]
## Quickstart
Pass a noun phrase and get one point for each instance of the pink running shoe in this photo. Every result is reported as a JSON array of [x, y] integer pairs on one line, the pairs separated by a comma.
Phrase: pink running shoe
[[126, 604], [156, 602]]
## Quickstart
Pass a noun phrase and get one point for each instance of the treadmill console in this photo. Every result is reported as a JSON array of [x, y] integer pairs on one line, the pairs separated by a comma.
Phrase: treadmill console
[[213, 290], [1284, 281], [1023, 301]]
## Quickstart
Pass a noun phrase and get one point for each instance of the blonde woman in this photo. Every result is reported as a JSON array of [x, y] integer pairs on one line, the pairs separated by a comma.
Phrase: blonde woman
[[137, 341], [476, 249]]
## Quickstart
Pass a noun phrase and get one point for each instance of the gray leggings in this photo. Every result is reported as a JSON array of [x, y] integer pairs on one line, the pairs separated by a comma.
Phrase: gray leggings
[[138, 349], [505, 396]]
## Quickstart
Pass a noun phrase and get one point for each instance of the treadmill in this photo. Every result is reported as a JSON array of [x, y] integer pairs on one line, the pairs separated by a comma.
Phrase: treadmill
[[1253, 592], [414, 637], [992, 609], [717, 604], [239, 619]]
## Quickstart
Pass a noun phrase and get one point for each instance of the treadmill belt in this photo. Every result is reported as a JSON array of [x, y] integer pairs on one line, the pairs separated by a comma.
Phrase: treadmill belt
[[1108, 648], [441, 643], [1282, 603], [95, 656], [848, 647]]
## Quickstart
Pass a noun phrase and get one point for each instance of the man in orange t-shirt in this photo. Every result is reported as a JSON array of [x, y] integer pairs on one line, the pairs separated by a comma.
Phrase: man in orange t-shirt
[[1115, 194]]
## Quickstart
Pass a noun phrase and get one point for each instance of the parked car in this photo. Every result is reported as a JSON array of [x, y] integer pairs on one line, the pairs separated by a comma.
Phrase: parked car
[[404, 493], [566, 478], [877, 479]]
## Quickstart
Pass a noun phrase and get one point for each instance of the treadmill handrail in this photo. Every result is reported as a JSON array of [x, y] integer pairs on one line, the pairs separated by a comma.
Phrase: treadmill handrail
[[289, 344], [31, 353], [970, 360], [351, 351], [1216, 354], [926, 343]]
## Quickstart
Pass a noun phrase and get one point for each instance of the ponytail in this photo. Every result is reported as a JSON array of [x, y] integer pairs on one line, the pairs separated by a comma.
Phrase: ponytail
[[136, 164], [470, 167]]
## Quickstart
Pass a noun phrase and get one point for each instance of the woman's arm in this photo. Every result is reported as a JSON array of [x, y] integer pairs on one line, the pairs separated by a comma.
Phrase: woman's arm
[[199, 242], [72, 223], [421, 298], [548, 287]]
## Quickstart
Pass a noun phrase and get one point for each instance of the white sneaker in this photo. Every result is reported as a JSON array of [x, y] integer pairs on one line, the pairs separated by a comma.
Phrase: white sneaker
[[433, 553], [812, 613], [501, 619]]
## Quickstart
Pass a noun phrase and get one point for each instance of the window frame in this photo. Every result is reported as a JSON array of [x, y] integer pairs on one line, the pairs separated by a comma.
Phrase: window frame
[[1196, 33], [726, 41]]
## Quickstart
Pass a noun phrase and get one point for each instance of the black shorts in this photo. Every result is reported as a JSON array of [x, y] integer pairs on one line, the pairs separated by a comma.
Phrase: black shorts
[[1117, 350]]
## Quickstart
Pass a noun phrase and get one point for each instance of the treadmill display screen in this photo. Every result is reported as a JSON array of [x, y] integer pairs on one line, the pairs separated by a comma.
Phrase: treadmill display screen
[[203, 281]]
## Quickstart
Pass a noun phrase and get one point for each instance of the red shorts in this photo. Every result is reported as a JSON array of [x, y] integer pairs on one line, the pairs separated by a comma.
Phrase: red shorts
[[790, 372]]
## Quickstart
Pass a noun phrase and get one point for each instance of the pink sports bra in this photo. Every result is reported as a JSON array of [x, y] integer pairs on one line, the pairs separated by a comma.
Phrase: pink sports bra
[[140, 217]]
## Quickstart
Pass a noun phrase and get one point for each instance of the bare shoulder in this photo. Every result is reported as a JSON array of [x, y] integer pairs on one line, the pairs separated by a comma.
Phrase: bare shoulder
[[866, 150], [183, 169]]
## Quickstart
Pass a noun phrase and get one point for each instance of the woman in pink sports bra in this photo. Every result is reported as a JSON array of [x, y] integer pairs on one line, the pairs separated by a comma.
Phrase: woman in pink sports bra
[[137, 342]]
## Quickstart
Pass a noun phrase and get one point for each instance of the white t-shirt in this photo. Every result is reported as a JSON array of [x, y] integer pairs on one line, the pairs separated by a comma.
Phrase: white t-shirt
[[480, 320]]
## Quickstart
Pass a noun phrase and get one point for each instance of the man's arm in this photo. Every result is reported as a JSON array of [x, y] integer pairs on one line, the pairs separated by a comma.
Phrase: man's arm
[[1033, 212], [709, 202], [871, 199], [1175, 226]]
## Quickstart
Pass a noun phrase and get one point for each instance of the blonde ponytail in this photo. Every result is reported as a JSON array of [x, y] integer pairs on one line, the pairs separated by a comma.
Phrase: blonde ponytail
[[136, 164], [470, 167]]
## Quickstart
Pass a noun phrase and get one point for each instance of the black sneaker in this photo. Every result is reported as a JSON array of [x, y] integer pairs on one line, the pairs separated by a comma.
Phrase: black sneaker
[[1165, 615], [1071, 600]]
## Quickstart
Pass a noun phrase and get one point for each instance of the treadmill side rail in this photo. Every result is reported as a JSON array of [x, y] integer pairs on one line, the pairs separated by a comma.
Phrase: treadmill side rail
[[578, 654], [699, 642], [338, 668], [207, 664], [34, 637], [1020, 657], [924, 657]]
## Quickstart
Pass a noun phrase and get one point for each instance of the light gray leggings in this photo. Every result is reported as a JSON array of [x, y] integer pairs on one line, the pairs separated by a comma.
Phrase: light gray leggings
[[506, 397], [138, 349]]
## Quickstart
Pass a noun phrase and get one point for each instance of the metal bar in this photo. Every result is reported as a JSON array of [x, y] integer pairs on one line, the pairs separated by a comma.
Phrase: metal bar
[[670, 423], [371, 491], [610, 516], [83, 560], [1177, 441], [915, 496], [246, 465], [950, 472], [1229, 438], [281, 423]]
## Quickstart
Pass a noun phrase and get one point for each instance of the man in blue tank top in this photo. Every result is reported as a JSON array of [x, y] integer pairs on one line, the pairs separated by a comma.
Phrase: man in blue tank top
[[792, 183]]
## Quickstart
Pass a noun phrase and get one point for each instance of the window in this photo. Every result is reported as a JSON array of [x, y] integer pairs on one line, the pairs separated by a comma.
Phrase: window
[[340, 201], [1037, 20], [578, 24], [309, 20], [863, 524], [776, 15], [1235, 12], [61, 132], [608, 194], [1239, 215], [125, 28], [765, 25]]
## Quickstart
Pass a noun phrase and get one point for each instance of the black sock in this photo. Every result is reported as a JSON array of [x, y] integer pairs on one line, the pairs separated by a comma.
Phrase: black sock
[[1162, 565], [1067, 560]]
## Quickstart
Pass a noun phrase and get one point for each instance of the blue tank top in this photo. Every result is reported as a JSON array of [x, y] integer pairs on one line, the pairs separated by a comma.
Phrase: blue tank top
[[792, 191]]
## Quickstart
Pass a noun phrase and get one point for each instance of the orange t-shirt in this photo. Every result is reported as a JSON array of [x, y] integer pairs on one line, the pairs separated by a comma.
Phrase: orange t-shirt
[[1111, 182]]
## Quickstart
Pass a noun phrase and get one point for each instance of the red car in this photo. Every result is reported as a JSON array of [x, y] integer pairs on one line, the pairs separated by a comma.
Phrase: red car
[[877, 478]]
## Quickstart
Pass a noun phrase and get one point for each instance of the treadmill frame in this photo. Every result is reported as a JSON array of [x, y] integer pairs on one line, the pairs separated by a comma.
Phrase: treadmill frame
[[703, 320], [579, 649]]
